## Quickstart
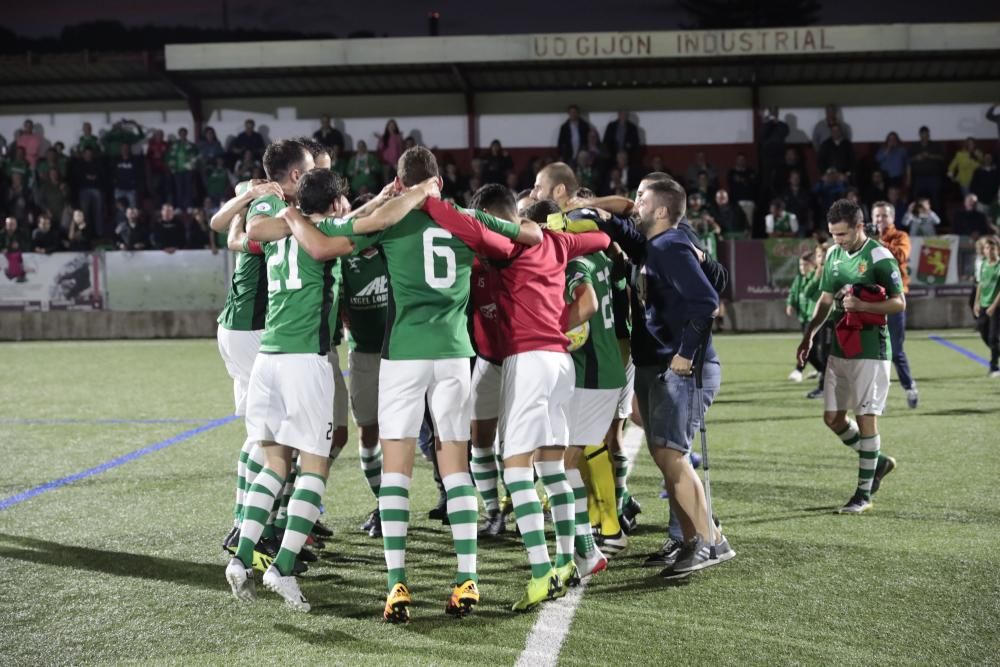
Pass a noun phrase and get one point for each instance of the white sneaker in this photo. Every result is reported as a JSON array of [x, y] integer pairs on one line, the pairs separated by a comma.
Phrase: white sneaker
[[994, 374], [795, 376], [612, 544], [286, 587], [240, 579], [587, 566], [812, 375], [912, 397]]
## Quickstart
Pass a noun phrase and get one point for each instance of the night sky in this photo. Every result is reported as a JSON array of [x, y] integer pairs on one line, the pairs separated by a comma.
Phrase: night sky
[[41, 18]]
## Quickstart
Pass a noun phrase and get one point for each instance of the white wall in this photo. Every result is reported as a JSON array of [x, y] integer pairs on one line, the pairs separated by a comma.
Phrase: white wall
[[708, 127]]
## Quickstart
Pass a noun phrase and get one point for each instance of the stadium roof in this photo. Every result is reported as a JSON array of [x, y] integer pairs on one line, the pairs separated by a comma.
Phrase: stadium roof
[[640, 59]]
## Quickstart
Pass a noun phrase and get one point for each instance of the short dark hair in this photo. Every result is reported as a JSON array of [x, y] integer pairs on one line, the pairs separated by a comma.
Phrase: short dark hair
[[318, 190], [585, 193], [843, 210], [361, 200], [541, 210], [313, 146], [281, 157], [493, 197], [523, 194], [671, 194], [809, 256], [416, 165]]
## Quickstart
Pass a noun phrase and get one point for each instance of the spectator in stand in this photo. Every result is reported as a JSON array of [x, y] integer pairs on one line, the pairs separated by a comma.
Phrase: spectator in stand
[[51, 196], [743, 186], [182, 160], [701, 164], [209, 149], [247, 166], [827, 190], [408, 143], [497, 164], [703, 223], [894, 195], [893, 159], [20, 200], [44, 239], [731, 218], [247, 140], [837, 152], [622, 134], [132, 233], [656, 165], [15, 237], [798, 202], [218, 181], [52, 160], [90, 186], [88, 140], [126, 175], [123, 133], [453, 184], [338, 163], [985, 183], [704, 187], [526, 180], [824, 128], [970, 221], [474, 183], [573, 135], [198, 235], [920, 218], [328, 135], [364, 171], [964, 164], [779, 223], [587, 176], [616, 184], [390, 147], [877, 189], [168, 231], [773, 133], [30, 142], [157, 174], [926, 170], [18, 165], [78, 239], [793, 162], [854, 196], [994, 117], [600, 158], [628, 174], [511, 181]]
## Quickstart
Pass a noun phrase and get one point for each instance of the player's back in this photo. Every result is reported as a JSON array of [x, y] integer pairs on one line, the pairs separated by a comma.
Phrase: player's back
[[598, 362], [429, 273]]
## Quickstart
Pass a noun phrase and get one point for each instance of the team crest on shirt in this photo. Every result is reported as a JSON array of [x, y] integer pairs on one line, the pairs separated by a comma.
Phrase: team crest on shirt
[[353, 264], [263, 207], [863, 267]]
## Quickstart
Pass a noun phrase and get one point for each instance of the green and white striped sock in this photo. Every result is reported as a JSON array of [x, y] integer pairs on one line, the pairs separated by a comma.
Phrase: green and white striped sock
[[303, 510], [257, 508], [281, 515], [621, 474], [394, 510], [371, 465], [464, 517], [851, 436], [867, 460], [561, 504], [484, 471], [584, 534], [241, 479], [530, 520]]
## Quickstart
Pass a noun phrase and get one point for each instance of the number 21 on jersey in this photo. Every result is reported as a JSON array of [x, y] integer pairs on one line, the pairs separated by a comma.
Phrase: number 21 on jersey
[[289, 247]]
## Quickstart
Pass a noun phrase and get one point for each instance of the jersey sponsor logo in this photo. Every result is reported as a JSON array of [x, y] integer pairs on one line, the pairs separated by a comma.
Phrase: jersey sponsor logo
[[263, 207], [863, 267], [354, 264], [489, 311], [375, 287]]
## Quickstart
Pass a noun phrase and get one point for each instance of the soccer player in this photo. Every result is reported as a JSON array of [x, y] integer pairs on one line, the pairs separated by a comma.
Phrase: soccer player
[[857, 378], [986, 307], [241, 324], [537, 378], [366, 305], [897, 242]]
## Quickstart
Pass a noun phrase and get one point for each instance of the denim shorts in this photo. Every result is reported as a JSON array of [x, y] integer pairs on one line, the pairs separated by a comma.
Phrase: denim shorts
[[675, 413]]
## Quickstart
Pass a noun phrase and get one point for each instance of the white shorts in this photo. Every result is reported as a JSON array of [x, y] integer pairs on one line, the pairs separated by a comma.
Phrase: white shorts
[[627, 392], [859, 385], [590, 414], [289, 402], [403, 385], [238, 350], [536, 389], [339, 390], [485, 390], [363, 380]]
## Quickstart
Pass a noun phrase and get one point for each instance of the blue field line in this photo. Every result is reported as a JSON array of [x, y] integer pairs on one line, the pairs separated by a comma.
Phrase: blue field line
[[113, 463], [97, 422], [961, 350]]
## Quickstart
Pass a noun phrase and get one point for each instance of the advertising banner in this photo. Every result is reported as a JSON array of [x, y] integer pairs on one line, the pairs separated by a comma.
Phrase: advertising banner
[[61, 281]]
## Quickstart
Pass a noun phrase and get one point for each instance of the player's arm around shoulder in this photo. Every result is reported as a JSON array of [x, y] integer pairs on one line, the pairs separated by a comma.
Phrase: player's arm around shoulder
[[327, 240], [396, 208], [239, 205]]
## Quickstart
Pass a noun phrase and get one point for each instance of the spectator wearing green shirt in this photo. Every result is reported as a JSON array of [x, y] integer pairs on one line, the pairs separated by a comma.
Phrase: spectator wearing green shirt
[[18, 165], [52, 160], [987, 304], [124, 132], [182, 159], [88, 140], [800, 302], [364, 171], [218, 181]]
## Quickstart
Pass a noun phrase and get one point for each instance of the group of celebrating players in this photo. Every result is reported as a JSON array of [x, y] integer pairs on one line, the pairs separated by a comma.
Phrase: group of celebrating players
[[524, 342]]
